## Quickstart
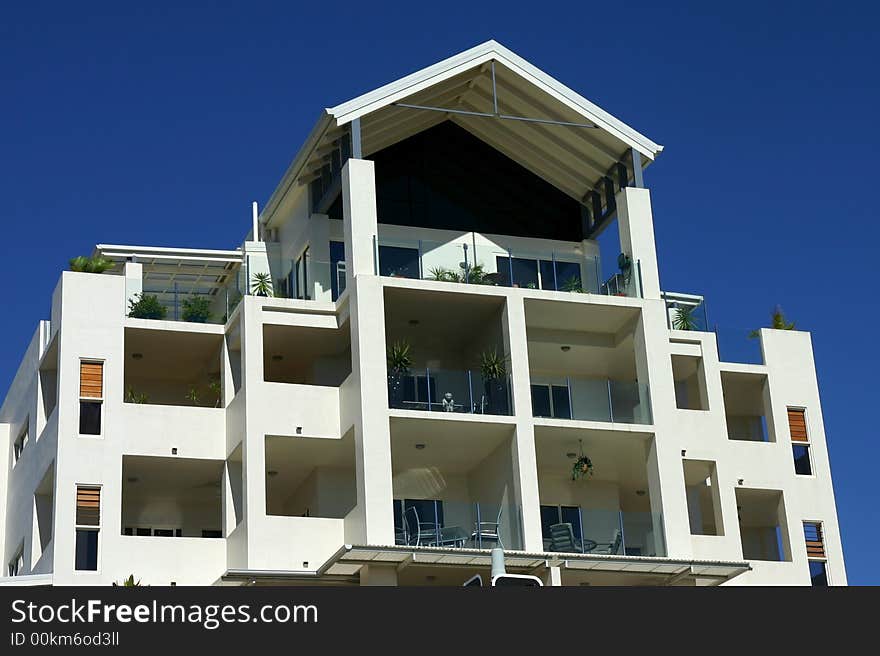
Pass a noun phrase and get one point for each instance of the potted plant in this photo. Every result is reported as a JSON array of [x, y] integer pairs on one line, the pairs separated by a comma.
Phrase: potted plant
[[146, 306], [85, 264], [216, 391], [683, 318], [777, 322], [572, 284], [196, 309], [261, 284], [582, 466], [494, 372], [193, 395], [399, 361], [135, 397]]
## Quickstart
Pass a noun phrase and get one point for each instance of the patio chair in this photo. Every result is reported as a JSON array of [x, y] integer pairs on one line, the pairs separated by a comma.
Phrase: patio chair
[[562, 538], [401, 533], [490, 531], [612, 547], [424, 531]]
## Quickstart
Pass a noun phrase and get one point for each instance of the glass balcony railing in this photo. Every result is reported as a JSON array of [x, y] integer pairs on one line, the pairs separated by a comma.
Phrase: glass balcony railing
[[441, 390], [473, 261], [591, 399], [456, 524], [738, 345], [572, 529], [180, 302]]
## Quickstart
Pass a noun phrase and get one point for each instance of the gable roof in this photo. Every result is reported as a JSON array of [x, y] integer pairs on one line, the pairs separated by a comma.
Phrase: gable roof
[[500, 98]]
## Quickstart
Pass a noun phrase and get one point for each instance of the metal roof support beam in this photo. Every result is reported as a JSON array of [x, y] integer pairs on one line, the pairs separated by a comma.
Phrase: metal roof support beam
[[638, 174]]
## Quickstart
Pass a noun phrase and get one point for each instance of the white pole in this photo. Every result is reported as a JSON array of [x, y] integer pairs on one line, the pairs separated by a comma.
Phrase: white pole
[[498, 568], [255, 212]]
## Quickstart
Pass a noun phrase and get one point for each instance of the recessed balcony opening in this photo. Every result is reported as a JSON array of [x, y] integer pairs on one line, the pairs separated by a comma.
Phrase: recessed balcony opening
[[690, 383], [453, 484], [172, 497], [235, 486], [310, 477], [746, 400], [44, 505], [445, 352], [703, 497], [600, 507], [306, 356], [233, 357], [582, 363], [172, 368], [48, 376], [762, 524]]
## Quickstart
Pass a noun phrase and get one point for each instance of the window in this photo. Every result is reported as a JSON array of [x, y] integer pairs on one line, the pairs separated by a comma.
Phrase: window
[[552, 515], [91, 397], [301, 276], [337, 268], [88, 524], [16, 565], [797, 426], [21, 441], [551, 401], [538, 274], [399, 262], [815, 543]]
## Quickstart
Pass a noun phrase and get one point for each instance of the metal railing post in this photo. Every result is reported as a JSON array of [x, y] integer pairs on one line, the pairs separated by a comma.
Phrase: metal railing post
[[470, 390], [610, 401], [510, 265], [622, 534], [555, 279], [375, 255], [581, 522], [479, 528], [176, 303], [640, 291], [421, 266], [570, 405], [436, 525], [467, 271], [428, 385]]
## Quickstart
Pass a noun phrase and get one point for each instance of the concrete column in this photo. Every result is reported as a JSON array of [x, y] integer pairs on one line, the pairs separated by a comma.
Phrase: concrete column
[[372, 521], [378, 575], [525, 462], [636, 225], [553, 577], [134, 282], [257, 261], [360, 222], [319, 258]]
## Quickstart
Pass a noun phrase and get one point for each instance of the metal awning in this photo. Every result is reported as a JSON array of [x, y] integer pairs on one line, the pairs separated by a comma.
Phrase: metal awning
[[187, 271], [346, 563]]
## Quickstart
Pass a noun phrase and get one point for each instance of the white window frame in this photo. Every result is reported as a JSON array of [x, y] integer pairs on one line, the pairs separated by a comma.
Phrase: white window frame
[[90, 399], [815, 559], [89, 527]]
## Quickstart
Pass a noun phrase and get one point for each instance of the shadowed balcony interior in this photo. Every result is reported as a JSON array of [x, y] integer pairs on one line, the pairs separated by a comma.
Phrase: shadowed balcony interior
[[310, 477], [453, 483], [762, 525], [448, 334], [690, 383], [746, 399], [703, 497], [305, 355], [168, 367], [171, 497], [585, 374], [608, 512]]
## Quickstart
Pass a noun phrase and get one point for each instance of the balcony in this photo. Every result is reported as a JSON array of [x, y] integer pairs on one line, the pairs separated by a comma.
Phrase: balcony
[[457, 524], [440, 390], [605, 508], [478, 259], [445, 353], [590, 399]]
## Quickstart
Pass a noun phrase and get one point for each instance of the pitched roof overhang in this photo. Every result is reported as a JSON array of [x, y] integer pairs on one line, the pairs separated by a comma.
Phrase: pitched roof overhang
[[488, 90]]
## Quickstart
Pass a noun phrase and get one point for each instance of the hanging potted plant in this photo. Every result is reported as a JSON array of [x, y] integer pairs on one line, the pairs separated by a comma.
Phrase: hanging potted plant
[[494, 373], [582, 467], [398, 357]]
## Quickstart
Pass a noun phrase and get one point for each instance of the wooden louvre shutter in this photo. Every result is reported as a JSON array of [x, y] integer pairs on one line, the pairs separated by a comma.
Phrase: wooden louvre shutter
[[88, 506], [797, 424], [91, 379], [814, 540]]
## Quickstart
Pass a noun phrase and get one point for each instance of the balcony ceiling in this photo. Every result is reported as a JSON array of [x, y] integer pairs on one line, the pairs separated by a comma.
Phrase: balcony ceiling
[[571, 157]]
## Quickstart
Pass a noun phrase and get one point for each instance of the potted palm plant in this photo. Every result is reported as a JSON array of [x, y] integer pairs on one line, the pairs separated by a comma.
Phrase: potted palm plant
[[399, 361], [261, 284], [494, 372]]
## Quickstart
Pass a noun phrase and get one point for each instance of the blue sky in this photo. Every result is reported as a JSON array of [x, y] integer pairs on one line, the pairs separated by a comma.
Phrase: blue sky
[[159, 124]]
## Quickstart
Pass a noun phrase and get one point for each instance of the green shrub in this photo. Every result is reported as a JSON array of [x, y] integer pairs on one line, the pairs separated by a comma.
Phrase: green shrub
[[85, 264], [146, 306], [196, 309]]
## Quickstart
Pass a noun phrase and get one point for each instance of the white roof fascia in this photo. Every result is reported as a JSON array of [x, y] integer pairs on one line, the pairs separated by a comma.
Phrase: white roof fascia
[[406, 86]]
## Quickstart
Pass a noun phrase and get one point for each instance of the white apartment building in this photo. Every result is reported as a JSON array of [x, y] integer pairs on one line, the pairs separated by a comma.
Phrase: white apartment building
[[428, 331]]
